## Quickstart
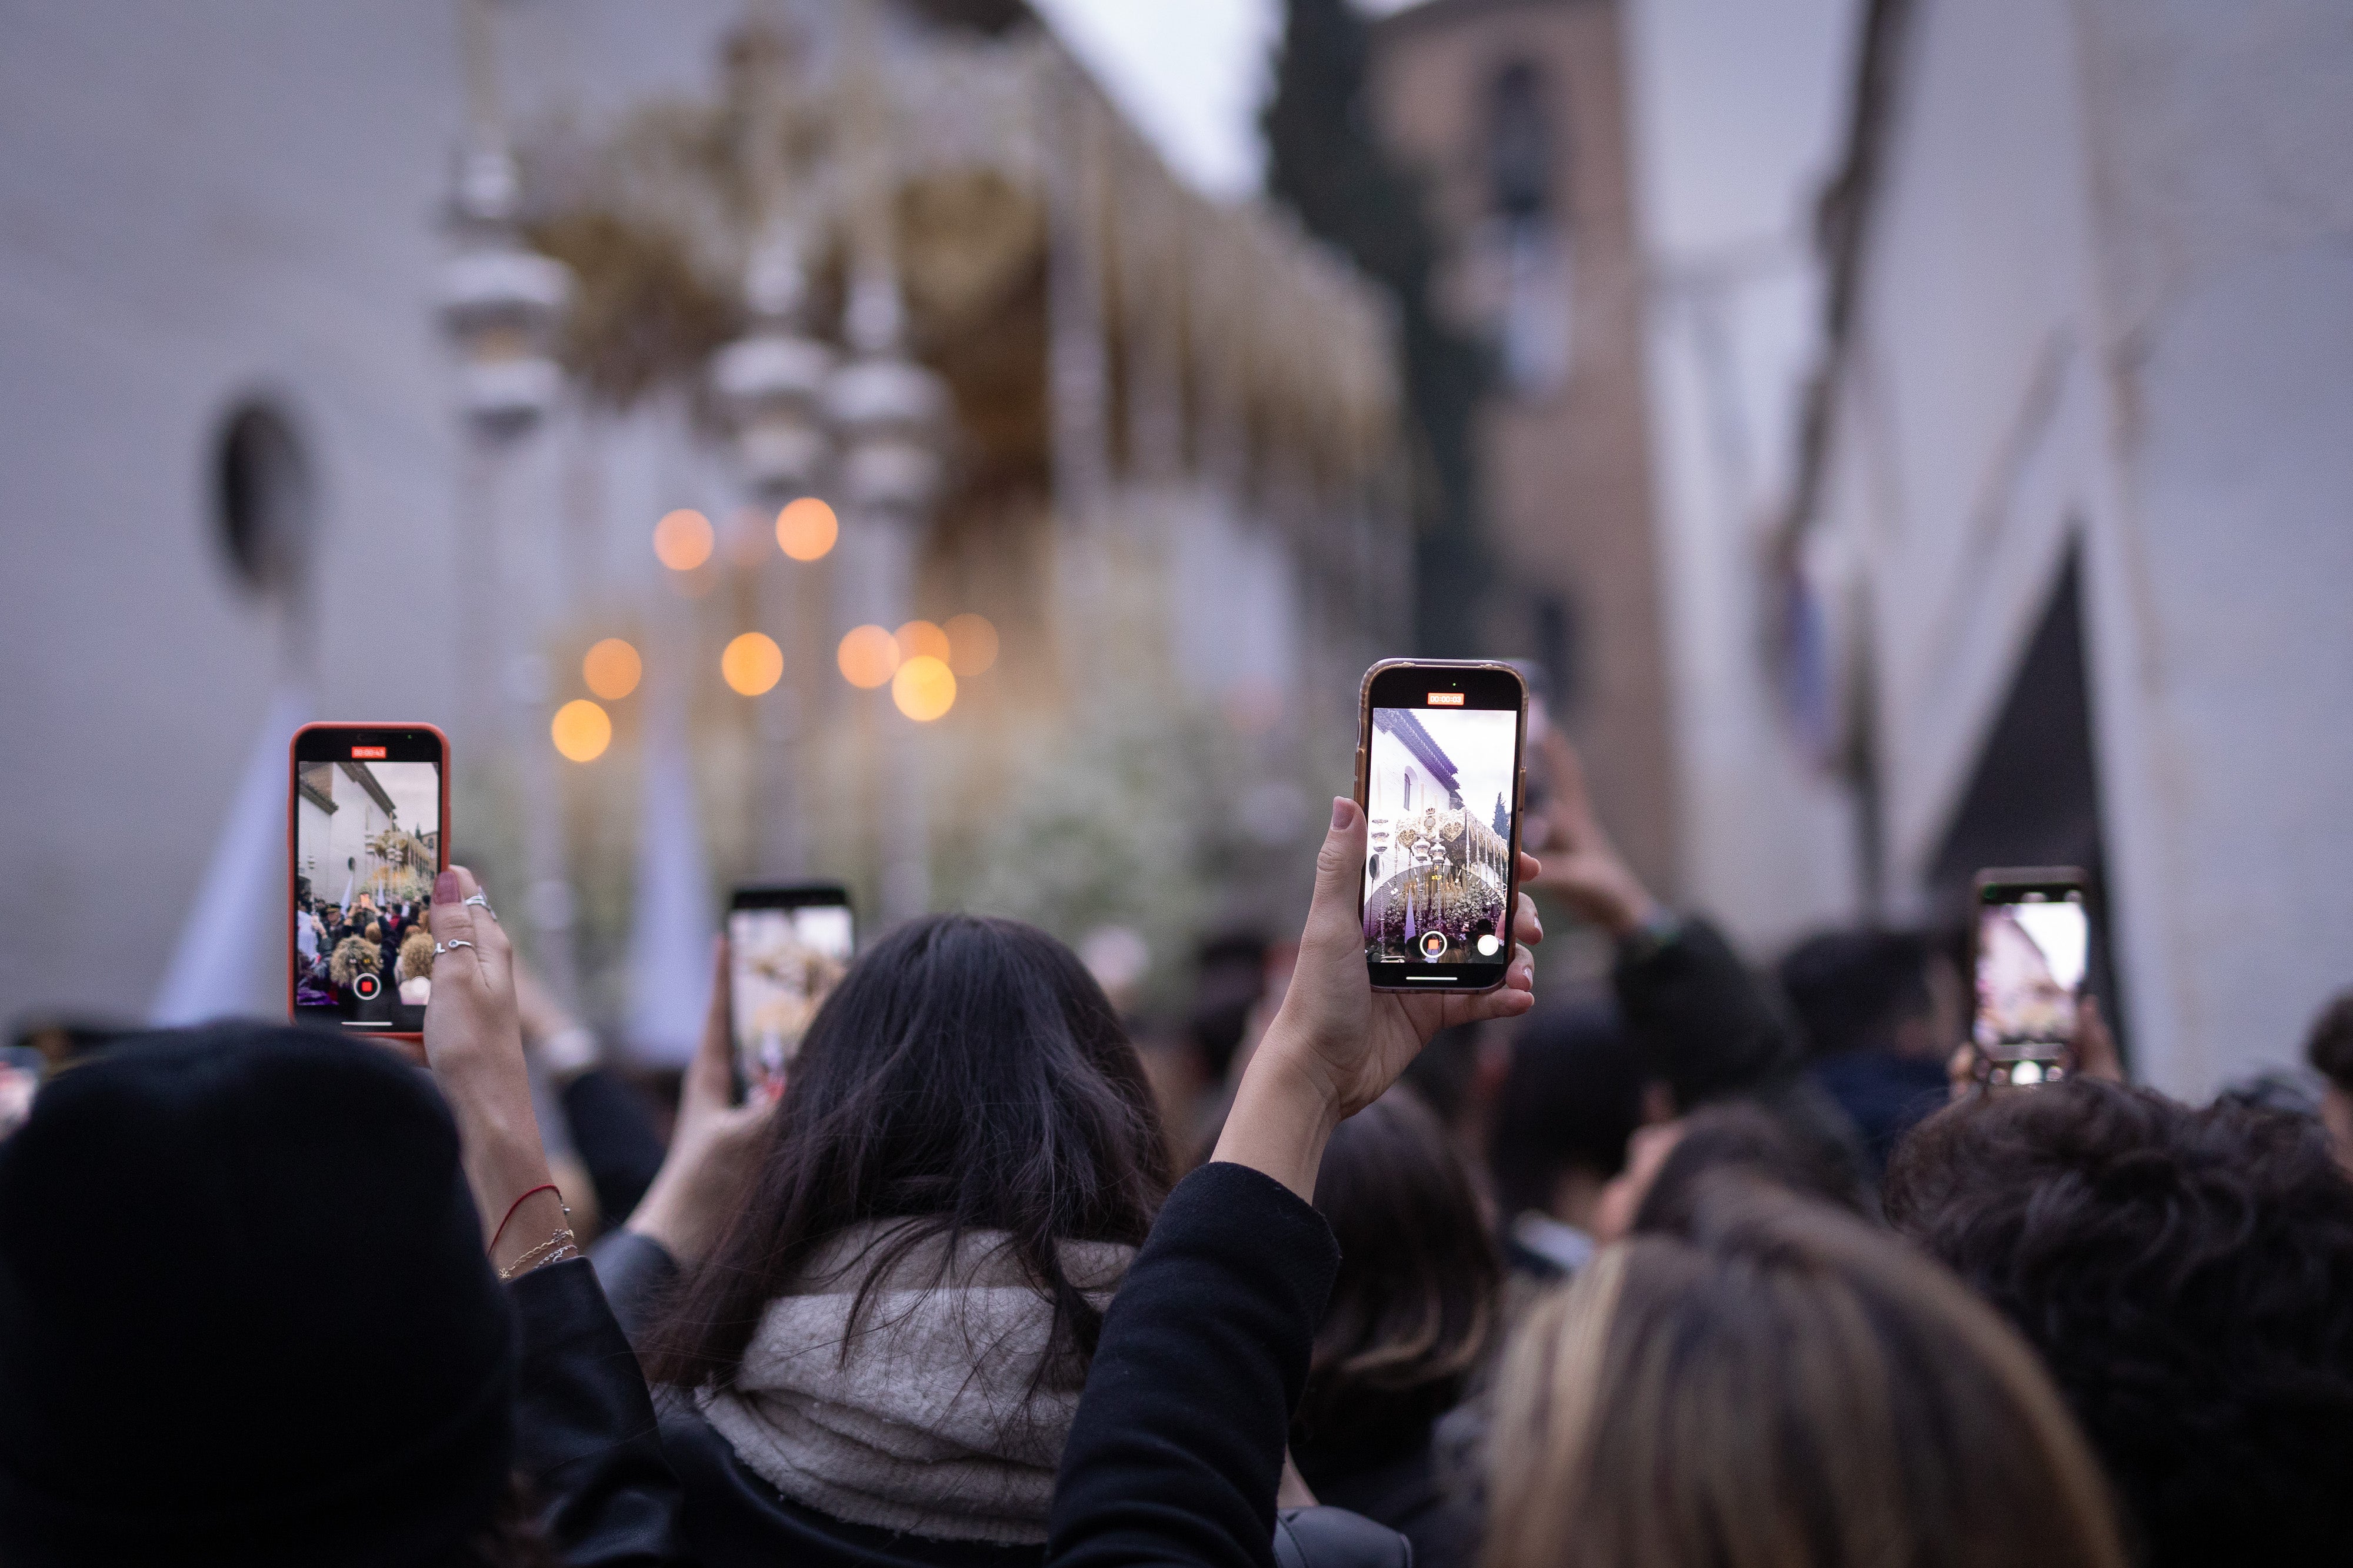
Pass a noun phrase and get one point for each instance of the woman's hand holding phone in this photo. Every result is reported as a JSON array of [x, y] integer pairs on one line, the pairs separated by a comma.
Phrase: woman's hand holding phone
[[1336, 1044], [715, 1142], [473, 1043]]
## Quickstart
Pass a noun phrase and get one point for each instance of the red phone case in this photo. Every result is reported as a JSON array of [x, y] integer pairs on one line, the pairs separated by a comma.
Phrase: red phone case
[[440, 855]]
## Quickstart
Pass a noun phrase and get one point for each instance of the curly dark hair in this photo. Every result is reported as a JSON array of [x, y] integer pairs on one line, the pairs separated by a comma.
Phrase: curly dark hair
[[2329, 1047], [2187, 1275]]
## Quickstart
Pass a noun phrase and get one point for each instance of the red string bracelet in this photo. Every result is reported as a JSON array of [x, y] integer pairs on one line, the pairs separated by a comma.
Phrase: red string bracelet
[[543, 1187]]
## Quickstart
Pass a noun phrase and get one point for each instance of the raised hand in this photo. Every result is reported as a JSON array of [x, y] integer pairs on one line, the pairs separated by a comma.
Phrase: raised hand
[[1580, 862], [715, 1143], [473, 1042], [1338, 1043]]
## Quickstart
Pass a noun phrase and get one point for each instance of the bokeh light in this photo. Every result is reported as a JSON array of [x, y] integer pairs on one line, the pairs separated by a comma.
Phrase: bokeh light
[[807, 528], [971, 644], [581, 731], [869, 656], [921, 639], [924, 688], [612, 670], [752, 663], [683, 539]]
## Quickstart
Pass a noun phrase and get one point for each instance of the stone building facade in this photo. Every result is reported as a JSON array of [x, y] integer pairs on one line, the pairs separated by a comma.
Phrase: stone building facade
[[1514, 113]]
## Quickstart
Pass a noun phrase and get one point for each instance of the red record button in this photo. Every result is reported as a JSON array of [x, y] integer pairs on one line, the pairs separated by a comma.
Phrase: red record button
[[367, 986]]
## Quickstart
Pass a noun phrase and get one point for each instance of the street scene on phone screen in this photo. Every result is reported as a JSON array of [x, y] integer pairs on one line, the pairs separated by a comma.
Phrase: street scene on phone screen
[[367, 838], [1437, 792]]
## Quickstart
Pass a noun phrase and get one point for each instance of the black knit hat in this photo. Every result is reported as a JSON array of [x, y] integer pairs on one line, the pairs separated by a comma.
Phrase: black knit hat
[[245, 1314]]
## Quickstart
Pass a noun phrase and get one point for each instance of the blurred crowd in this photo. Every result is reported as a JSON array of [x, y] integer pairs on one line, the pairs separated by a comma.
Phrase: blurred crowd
[[1691, 1266], [335, 946]]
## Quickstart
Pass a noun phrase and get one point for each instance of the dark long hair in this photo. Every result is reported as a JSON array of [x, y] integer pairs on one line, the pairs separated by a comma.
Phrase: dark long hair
[[1414, 1307], [967, 1074]]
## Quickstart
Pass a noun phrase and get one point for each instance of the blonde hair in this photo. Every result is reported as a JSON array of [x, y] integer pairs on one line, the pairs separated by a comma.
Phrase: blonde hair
[[1785, 1387]]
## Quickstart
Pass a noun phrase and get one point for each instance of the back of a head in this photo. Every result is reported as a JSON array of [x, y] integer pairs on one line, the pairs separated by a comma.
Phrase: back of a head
[[967, 1074], [1414, 1304], [245, 1314], [1739, 1137], [2188, 1276], [2329, 1045], [1783, 1385], [1571, 1099], [1849, 988]]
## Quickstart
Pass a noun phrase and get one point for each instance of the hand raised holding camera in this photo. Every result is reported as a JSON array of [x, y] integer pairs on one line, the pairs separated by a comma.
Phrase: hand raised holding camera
[[473, 1042], [715, 1144], [1336, 1044]]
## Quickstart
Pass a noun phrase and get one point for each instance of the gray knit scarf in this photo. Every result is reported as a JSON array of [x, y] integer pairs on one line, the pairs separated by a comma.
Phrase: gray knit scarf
[[929, 1421]]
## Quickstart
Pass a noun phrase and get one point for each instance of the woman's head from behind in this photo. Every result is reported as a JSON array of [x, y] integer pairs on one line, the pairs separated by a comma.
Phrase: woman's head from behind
[[1414, 1304], [967, 1074], [1782, 1385], [245, 1315]]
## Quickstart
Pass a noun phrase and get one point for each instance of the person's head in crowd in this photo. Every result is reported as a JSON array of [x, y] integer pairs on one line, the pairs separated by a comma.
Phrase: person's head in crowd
[[1446, 1076], [1880, 1012], [246, 1317], [966, 1131], [1781, 1383], [2188, 1276], [416, 956], [1674, 1159], [1870, 990], [1414, 1305], [2329, 1050], [1570, 1101], [374, 931]]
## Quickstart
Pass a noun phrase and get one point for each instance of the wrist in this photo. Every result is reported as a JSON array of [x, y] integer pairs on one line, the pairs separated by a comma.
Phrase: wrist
[[1627, 907], [1283, 1113], [662, 1216]]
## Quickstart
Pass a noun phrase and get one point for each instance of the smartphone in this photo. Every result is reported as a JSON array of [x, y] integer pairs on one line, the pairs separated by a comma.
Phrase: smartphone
[[787, 947], [367, 826], [1439, 773], [2032, 941]]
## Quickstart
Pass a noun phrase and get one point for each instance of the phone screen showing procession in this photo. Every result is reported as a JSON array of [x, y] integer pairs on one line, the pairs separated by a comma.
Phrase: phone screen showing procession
[[1438, 801]]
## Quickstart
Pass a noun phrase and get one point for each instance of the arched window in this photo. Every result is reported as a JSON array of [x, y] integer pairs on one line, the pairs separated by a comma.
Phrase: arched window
[[262, 499]]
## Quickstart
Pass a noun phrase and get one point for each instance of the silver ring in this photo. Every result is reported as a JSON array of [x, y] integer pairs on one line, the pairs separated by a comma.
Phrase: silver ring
[[485, 903], [442, 947]]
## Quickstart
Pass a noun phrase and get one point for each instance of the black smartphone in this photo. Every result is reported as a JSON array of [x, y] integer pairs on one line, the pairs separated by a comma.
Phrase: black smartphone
[[2031, 944], [1438, 772], [787, 947], [366, 832]]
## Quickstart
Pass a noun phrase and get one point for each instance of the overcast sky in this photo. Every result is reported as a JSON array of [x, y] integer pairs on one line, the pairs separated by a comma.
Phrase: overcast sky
[[1192, 73]]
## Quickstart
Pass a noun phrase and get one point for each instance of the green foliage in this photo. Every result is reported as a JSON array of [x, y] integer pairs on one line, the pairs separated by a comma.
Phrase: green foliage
[[1127, 819]]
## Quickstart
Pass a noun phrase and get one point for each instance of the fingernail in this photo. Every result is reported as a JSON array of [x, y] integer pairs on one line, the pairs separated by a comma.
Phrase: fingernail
[[1340, 804], [444, 888]]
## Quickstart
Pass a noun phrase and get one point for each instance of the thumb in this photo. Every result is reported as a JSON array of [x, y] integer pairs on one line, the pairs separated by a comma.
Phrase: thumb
[[1339, 867]]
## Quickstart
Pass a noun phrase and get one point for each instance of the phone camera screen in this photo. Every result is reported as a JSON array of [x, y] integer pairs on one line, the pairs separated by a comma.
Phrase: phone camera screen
[[2032, 949], [785, 962], [1438, 794], [367, 843]]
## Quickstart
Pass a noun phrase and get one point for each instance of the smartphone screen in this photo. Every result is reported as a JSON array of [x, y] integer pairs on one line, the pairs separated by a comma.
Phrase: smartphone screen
[[2033, 940], [1441, 772], [368, 813], [787, 948]]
